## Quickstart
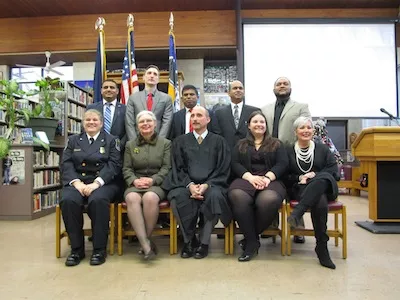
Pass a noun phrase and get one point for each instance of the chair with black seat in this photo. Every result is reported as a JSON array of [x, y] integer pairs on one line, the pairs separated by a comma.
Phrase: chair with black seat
[[171, 231]]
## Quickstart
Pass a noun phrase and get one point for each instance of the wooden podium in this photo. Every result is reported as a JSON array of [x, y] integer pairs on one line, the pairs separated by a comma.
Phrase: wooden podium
[[378, 149]]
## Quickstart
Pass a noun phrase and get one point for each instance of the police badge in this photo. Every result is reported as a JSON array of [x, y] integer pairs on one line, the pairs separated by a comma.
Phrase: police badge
[[117, 144]]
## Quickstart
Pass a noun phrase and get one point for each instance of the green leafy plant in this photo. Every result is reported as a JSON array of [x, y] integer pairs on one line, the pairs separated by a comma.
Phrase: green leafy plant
[[47, 90], [12, 104]]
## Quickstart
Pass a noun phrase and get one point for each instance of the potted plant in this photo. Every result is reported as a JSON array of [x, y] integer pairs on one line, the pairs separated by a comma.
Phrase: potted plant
[[13, 105], [43, 116]]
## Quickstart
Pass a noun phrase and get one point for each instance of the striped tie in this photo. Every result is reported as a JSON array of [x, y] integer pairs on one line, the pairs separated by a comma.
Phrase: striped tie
[[107, 118]]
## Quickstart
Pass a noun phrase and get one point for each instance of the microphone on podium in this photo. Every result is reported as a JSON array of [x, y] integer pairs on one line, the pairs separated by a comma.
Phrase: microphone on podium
[[388, 113], [391, 117]]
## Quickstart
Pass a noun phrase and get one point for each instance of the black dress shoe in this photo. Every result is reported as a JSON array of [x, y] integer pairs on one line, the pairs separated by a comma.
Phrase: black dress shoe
[[201, 251], [74, 259], [187, 250], [98, 258], [248, 255], [299, 239]]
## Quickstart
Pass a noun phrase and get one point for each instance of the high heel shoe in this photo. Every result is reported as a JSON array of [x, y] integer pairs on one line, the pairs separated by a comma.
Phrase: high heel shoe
[[149, 256], [248, 255], [153, 247]]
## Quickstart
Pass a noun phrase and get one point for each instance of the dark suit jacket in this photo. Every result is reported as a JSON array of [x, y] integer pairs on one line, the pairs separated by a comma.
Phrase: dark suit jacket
[[118, 122], [162, 108], [83, 161], [225, 126], [178, 125]]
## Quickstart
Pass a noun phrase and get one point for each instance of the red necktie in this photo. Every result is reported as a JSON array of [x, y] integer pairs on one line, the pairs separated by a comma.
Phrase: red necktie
[[149, 101], [190, 121]]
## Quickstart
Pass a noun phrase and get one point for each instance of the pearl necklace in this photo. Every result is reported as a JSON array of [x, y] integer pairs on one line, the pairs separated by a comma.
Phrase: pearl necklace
[[305, 155]]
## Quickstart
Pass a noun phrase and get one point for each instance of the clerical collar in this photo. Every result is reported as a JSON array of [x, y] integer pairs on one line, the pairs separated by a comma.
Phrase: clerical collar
[[94, 137], [203, 135]]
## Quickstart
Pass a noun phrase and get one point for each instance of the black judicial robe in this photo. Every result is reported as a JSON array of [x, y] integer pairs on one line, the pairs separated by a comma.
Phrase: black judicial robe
[[207, 163]]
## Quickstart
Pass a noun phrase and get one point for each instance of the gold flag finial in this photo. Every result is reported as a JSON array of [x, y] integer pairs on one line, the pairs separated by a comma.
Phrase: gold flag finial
[[100, 22], [171, 21], [130, 20]]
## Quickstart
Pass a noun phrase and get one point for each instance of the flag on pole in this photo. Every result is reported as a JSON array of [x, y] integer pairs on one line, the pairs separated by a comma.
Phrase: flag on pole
[[173, 89], [100, 66], [130, 82]]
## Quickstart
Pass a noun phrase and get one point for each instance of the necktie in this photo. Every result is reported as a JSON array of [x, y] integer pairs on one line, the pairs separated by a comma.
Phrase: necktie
[[190, 121], [91, 140], [236, 116], [199, 139], [149, 101], [278, 112], [107, 118]]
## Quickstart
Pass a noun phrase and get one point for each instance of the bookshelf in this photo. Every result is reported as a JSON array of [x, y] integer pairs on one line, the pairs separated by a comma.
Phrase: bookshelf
[[39, 186], [77, 101]]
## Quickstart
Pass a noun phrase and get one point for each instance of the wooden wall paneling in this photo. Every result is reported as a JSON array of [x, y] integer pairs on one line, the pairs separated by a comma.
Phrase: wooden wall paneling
[[77, 33]]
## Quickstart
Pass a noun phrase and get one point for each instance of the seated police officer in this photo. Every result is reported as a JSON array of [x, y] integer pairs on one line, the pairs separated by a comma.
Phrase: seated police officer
[[90, 163]]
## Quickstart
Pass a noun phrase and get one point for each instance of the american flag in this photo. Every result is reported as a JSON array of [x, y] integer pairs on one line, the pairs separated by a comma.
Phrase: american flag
[[130, 83]]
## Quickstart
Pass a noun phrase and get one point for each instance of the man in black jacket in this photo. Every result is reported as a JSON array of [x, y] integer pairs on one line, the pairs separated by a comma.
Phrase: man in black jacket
[[231, 121]]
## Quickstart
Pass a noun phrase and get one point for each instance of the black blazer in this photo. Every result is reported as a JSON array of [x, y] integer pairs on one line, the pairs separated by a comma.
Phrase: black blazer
[[225, 126], [178, 125], [118, 123], [277, 162]]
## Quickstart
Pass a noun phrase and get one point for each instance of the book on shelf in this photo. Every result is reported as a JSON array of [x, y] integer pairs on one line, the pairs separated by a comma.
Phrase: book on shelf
[[46, 158], [45, 200], [46, 178], [26, 136]]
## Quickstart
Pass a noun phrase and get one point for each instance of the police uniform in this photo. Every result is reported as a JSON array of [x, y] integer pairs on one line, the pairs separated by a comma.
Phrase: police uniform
[[87, 162]]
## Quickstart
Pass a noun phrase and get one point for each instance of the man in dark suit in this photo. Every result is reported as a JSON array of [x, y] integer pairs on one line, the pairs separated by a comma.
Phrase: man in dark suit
[[109, 91], [181, 119], [149, 99], [231, 120]]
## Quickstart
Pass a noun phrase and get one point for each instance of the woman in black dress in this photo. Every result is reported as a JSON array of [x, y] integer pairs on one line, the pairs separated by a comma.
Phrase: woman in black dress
[[258, 162], [312, 179]]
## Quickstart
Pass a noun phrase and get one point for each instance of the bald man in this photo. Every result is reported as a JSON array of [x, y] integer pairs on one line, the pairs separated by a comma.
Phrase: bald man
[[197, 183], [283, 112], [231, 120]]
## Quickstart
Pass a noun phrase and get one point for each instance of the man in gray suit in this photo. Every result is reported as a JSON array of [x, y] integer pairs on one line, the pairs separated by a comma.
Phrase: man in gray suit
[[280, 117], [283, 112], [149, 99]]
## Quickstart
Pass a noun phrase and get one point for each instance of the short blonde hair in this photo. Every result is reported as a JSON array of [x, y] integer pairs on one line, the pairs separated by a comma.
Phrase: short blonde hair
[[94, 111]]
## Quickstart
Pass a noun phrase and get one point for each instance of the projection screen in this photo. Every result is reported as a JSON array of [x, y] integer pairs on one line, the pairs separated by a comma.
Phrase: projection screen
[[340, 70]]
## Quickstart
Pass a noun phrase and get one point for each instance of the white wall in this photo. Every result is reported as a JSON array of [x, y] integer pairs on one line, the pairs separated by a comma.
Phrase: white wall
[[83, 70], [193, 72], [5, 70]]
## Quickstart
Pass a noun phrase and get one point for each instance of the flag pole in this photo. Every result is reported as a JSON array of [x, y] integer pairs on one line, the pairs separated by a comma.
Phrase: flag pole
[[99, 26]]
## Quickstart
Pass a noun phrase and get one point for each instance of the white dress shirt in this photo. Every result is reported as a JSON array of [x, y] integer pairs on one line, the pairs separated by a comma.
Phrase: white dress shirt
[[240, 107], [112, 108]]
